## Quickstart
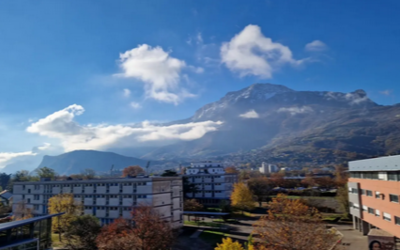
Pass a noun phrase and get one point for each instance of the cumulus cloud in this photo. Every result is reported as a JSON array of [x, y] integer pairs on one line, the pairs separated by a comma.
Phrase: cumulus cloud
[[250, 114], [135, 105], [251, 53], [126, 93], [73, 136], [316, 45], [296, 110], [160, 72]]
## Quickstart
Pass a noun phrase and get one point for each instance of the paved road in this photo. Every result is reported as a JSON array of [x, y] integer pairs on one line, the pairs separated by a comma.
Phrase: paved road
[[353, 239]]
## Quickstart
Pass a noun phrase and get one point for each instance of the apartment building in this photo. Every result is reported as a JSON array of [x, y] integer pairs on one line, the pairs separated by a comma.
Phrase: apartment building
[[213, 184], [108, 199], [374, 190]]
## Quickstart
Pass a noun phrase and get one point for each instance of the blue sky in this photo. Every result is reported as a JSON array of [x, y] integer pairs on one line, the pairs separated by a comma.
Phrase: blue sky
[[58, 53]]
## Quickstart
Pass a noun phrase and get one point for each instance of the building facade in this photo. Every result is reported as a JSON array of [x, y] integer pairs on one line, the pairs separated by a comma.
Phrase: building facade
[[107, 199], [212, 183], [268, 168], [374, 190]]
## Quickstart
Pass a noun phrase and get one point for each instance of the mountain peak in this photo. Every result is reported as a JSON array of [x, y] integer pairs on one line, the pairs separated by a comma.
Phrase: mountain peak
[[257, 91]]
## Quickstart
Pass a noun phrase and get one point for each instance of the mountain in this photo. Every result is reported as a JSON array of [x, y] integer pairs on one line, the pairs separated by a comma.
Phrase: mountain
[[268, 122], [76, 161]]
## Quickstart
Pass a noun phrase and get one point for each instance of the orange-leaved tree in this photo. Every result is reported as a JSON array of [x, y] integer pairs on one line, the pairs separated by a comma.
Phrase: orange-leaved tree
[[290, 224], [132, 171], [192, 205], [231, 170], [242, 197], [151, 229], [118, 235]]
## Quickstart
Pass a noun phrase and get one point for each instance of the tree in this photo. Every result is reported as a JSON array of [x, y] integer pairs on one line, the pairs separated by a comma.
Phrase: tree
[[88, 174], [188, 187], [64, 203], [152, 231], [242, 197], [228, 244], [277, 179], [260, 187], [22, 211], [290, 224], [46, 172], [82, 232], [118, 235], [192, 205], [231, 170], [342, 197], [308, 181], [169, 172], [132, 171]]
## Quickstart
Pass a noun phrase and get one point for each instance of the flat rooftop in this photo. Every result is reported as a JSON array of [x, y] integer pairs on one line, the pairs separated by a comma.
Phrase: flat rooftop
[[385, 163]]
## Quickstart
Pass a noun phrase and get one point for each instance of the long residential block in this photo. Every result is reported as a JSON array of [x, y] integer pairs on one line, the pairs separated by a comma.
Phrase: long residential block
[[108, 199]]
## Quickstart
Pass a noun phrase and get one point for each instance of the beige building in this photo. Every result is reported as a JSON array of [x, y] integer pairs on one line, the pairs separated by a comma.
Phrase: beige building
[[108, 199]]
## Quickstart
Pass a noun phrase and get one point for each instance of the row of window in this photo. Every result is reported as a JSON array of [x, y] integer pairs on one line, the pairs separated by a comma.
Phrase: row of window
[[381, 175], [377, 213], [392, 197], [37, 187]]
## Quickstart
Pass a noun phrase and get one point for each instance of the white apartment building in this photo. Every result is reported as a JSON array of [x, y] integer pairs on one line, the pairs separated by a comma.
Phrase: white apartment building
[[213, 184], [108, 199], [268, 168]]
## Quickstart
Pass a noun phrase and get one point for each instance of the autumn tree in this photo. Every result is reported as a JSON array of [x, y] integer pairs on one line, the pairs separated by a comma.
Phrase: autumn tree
[[22, 211], [152, 231], [340, 175], [82, 233], [308, 181], [63, 203], [290, 224], [242, 197], [132, 171], [46, 172], [260, 187], [118, 235], [342, 196], [277, 179], [192, 205], [231, 170], [229, 244], [325, 182]]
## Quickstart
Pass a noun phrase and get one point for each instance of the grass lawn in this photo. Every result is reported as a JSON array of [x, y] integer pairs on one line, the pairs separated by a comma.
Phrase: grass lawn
[[227, 221], [213, 237], [202, 223]]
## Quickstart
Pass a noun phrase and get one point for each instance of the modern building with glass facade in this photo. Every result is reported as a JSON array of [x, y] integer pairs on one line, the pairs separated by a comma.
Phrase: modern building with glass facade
[[108, 199], [29, 234], [374, 190]]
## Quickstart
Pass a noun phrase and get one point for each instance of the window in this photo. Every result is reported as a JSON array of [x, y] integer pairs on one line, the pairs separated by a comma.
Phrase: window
[[377, 195], [371, 211], [387, 217], [369, 193], [397, 220], [363, 191], [393, 176], [394, 198], [364, 208]]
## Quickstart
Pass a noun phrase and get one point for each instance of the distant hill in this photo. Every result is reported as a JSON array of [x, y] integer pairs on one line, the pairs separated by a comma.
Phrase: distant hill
[[76, 161]]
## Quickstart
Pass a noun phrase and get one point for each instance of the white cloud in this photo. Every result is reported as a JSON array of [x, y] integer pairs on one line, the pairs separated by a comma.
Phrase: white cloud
[[6, 158], [250, 114], [126, 93], [356, 99], [316, 45], [296, 110], [158, 70], [73, 136], [251, 53], [386, 92], [135, 105]]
